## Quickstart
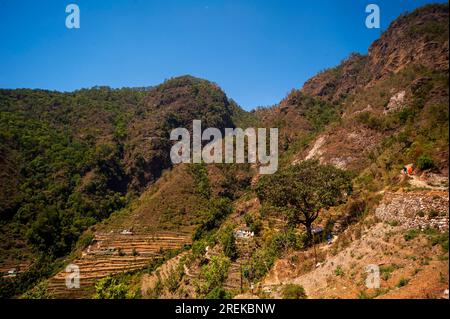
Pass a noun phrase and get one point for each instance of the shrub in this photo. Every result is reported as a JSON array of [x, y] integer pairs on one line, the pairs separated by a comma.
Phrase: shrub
[[338, 271], [402, 282], [411, 234], [218, 293], [425, 162], [254, 224], [292, 291], [387, 270]]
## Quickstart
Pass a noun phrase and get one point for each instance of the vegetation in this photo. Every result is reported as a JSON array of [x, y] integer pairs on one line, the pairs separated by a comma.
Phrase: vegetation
[[425, 162], [218, 209], [201, 181], [214, 273], [293, 291], [402, 282], [302, 190], [228, 242], [114, 288]]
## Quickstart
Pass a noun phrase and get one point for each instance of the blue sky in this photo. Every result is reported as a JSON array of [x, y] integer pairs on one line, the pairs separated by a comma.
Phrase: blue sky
[[256, 50]]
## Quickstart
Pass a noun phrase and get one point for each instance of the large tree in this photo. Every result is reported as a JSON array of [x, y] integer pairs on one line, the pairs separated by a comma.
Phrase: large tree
[[301, 191]]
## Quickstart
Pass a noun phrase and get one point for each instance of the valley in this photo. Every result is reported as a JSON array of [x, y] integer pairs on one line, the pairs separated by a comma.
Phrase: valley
[[86, 179]]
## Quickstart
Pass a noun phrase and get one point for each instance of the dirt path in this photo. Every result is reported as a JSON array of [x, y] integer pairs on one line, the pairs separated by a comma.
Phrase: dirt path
[[417, 181]]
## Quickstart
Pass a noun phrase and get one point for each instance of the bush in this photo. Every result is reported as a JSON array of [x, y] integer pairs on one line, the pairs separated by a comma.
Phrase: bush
[[411, 234], [338, 271], [254, 224], [218, 293], [402, 282], [292, 291], [425, 162]]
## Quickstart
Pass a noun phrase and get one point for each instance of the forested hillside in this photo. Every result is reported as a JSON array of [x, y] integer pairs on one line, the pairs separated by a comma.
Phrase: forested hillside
[[86, 178]]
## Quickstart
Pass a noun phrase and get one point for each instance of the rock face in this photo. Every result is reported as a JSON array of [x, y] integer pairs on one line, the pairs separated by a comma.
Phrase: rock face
[[344, 147], [415, 210], [396, 102], [419, 38], [334, 84]]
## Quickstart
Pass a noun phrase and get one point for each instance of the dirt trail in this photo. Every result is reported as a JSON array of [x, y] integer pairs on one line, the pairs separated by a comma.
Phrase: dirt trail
[[417, 181]]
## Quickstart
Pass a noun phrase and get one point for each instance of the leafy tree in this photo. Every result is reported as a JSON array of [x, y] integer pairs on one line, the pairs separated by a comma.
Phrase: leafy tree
[[301, 191], [215, 273]]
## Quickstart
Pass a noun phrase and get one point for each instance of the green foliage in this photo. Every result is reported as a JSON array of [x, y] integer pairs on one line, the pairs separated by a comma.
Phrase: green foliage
[[173, 280], [260, 263], [293, 291], [320, 114], [55, 153], [255, 224], [435, 237], [338, 271], [411, 234], [387, 270], [236, 180], [433, 30], [113, 287], [301, 191], [287, 239], [402, 282], [228, 242], [264, 257], [218, 209], [199, 248], [38, 292], [425, 162], [218, 293], [201, 181], [375, 122], [214, 273], [42, 267]]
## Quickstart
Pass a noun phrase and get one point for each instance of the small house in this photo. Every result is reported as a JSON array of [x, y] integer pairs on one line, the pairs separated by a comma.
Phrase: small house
[[12, 272], [244, 233]]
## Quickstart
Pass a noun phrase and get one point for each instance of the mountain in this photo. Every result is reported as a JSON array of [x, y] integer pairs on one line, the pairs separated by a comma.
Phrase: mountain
[[71, 159], [86, 179], [418, 38]]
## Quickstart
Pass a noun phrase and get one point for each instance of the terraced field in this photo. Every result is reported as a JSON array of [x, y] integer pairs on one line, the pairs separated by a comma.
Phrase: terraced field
[[113, 253]]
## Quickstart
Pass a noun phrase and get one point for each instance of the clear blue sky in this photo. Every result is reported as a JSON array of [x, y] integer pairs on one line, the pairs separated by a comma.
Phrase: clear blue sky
[[256, 50]]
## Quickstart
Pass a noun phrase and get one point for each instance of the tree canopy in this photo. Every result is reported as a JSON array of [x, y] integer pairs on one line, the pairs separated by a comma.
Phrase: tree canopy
[[301, 191]]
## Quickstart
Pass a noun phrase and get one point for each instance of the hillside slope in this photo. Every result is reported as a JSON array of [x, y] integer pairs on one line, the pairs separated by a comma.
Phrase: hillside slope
[[86, 179]]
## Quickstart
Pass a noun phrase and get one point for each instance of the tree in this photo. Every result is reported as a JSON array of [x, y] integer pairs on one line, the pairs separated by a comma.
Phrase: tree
[[301, 191], [228, 242], [215, 272]]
